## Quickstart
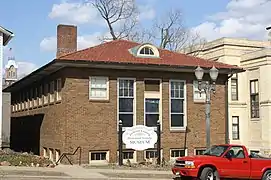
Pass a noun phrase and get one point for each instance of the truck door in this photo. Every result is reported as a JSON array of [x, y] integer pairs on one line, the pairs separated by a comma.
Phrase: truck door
[[238, 165]]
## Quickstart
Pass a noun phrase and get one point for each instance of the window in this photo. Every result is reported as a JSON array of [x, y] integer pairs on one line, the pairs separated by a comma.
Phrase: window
[[254, 98], [146, 51], [98, 88], [177, 104], [58, 89], [234, 87], [128, 155], [40, 95], [51, 154], [23, 100], [45, 97], [197, 94], [199, 151], [57, 151], [19, 101], [27, 100], [235, 128], [52, 92], [98, 156], [175, 153], [150, 154], [237, 152], [126, 101], [45, 152], [151, 111], [35, 97], [31, 98]]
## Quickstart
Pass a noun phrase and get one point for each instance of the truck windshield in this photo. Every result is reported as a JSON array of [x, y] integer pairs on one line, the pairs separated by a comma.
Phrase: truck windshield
[[215, 150]]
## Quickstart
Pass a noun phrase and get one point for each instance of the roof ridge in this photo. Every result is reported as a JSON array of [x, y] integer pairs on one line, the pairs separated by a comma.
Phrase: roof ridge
[[82, 50]]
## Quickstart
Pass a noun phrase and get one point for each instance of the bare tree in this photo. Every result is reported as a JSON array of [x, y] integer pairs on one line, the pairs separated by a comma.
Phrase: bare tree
[[194, 46], [171, 33], [120, 16], [168, 32]]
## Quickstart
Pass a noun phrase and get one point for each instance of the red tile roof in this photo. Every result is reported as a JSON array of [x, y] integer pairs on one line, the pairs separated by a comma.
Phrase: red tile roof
[[117, 52]]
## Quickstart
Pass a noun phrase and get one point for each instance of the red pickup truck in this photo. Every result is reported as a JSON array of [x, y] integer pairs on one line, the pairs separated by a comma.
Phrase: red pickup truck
[[223, 161]]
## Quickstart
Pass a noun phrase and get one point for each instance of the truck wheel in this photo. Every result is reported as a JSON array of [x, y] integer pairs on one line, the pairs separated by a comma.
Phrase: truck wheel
[[267, 175], [207, 174]]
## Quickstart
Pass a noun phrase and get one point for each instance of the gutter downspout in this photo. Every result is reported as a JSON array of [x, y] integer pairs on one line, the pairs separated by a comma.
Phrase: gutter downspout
[[227, 110]]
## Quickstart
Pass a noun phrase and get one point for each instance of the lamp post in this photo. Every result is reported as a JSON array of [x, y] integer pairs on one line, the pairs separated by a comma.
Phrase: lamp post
[[208, 87]]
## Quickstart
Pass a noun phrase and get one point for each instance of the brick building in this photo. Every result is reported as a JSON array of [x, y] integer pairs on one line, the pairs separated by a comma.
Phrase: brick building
[[78, 98]]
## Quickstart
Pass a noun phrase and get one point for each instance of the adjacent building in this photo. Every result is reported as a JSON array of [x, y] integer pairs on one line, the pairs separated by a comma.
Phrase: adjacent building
[[5, 37], [78, 99], [249, 92]]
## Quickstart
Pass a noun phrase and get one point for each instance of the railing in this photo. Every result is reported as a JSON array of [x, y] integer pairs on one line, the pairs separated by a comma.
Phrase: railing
[[70, 154]]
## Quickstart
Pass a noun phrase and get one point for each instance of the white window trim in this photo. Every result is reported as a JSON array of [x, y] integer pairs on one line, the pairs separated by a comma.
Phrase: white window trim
[[134, 105], [154, 49], [106, 161], [198, 149], [52, 94], [57, 154], [134, 160], [46, 94], [203, 99], [51, 154], [58, 89], [155, 149], [184, 108], [107, 88], [173, 158], [150, 95], [40, 96], [45, 152]]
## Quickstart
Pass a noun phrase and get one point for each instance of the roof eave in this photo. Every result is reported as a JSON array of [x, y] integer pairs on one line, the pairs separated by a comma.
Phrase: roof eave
[[8, 35], [56, 65]]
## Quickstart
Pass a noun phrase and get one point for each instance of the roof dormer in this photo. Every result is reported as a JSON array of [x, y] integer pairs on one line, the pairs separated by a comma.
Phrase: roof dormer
[[146, 50]]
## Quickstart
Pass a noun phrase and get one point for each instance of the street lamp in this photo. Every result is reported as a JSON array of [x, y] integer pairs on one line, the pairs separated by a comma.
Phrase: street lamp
[[208, 87]]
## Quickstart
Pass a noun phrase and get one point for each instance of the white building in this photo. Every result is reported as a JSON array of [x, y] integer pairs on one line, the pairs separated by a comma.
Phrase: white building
[[5, 37], [249, 93]]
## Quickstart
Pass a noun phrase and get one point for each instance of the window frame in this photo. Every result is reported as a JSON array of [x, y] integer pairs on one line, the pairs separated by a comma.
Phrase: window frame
[[99, 161], [184, 106], [199, 149], [107, 88], [155, 150], [178, 149], [238, 127], [153, 113], [40, 95], [252, 95], [52, 92], [46, 94], [237, 94], [134, 100], [58, 89]]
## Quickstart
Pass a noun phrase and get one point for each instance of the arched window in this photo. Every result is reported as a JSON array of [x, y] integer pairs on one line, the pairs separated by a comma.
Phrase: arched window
[[146, 51]]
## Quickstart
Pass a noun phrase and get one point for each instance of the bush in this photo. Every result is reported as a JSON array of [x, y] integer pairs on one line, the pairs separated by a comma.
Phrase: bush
[[22, 159]]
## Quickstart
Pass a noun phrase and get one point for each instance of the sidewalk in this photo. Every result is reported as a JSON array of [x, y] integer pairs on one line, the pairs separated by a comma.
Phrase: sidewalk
[[78, 172]]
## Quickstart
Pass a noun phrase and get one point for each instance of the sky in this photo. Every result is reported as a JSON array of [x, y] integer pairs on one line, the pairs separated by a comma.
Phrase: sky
[[34, 23]]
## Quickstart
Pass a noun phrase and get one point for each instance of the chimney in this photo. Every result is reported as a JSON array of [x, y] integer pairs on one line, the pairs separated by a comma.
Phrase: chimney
[[66, 39]]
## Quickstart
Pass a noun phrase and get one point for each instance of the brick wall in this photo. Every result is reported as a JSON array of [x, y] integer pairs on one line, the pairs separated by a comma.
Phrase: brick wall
[[92, 124], [77, 121]]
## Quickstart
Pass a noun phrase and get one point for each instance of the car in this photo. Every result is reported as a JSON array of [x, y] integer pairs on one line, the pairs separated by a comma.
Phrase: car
[[223, 161]]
